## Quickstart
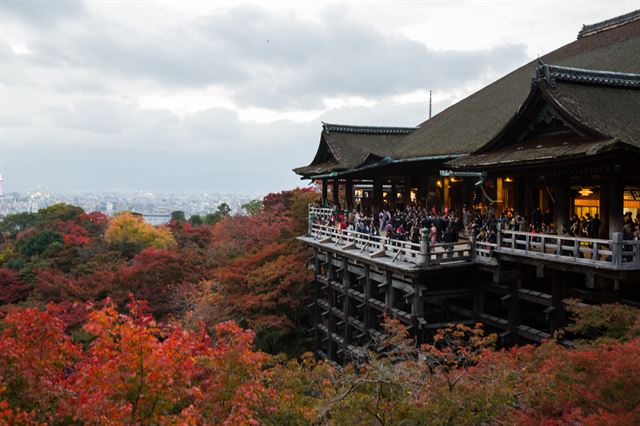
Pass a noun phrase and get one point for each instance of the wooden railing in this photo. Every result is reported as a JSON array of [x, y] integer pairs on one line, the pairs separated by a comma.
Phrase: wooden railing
[[322, 213], [484, 252], [375, 246], [611, 254], [617, 254]]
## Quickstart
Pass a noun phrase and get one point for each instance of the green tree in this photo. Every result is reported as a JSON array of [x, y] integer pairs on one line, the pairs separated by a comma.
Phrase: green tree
[[196, 220], [15, 223], [209, 219], [223, 211], [178, 216], [60, 211], [253, 207], [39, 243]]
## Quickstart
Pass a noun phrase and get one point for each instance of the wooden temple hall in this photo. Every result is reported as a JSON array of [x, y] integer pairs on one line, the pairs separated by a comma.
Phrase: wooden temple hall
[[561, 133]]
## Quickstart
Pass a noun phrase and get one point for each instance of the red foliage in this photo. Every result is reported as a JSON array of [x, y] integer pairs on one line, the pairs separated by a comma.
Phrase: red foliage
[[261, 267], [186, 234], [72, 314], [131, 373], [35, 356], [154, 276], [12, 288], [55, 286], [94, 218]]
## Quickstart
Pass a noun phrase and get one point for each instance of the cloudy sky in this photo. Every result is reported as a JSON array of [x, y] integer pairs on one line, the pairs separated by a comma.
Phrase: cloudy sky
[[182, 95]]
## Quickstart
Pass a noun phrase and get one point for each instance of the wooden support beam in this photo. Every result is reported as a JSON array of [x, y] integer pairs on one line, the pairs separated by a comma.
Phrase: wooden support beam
[[558, 316], [514, 310], [367, 296], [346, 282], [390, 292]]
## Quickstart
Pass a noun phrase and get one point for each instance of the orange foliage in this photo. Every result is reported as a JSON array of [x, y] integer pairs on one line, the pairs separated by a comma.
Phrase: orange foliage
[[133, 372]]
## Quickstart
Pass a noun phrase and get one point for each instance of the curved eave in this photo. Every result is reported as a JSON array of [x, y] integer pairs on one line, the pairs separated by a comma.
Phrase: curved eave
[[385, 162]]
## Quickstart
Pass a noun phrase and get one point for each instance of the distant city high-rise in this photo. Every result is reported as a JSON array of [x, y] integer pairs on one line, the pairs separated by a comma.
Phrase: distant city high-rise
[[1, 185]]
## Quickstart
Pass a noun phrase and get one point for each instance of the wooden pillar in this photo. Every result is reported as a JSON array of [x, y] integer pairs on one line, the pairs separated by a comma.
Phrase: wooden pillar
[[562, 204], [325, 199], [421, 194], [557, 316], [431, 189], [446, 201], [406, 193], [514, 311], [467, 192], [417, 311], [348, 194], [346, 305], [392, 196], [377, 199], [616, 205], [478, 301], [389, 299], [528, 200], [331, 275], [519, 194], [316, 296], [335, 192], [368, 317], [499, 196]]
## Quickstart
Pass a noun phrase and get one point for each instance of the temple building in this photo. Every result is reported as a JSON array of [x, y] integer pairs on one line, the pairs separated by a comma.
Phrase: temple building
[[561, 134]]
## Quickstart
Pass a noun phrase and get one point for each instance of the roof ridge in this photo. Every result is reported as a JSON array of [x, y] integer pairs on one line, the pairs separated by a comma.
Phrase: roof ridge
[[554, 73], [609, 24], [376, 130]]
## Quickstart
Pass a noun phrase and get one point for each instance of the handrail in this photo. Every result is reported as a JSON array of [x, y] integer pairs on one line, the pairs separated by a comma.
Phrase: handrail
[[398, 250], [616, 254]]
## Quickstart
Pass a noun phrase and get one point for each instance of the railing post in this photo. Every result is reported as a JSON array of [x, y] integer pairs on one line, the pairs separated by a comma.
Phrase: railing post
[[472, 247], [499, 237], [616, 249], [424, 249]]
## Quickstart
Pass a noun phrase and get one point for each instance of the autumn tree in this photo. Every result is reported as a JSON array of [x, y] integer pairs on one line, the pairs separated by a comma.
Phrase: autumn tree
[[35, 357], [130, 234], [12, 288], [138, 373]]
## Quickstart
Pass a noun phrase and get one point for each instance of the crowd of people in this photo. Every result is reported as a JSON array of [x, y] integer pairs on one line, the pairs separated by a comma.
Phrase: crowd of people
[[483, 223], [404, 224]]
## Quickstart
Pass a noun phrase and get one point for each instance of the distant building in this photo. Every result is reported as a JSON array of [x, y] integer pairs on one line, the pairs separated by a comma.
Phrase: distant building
[[157, 219]]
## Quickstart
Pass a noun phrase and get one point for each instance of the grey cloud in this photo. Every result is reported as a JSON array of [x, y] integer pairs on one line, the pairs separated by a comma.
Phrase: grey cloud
[[273, 61], [90, 147], [211, 150], [41, 12], [96, 115]]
